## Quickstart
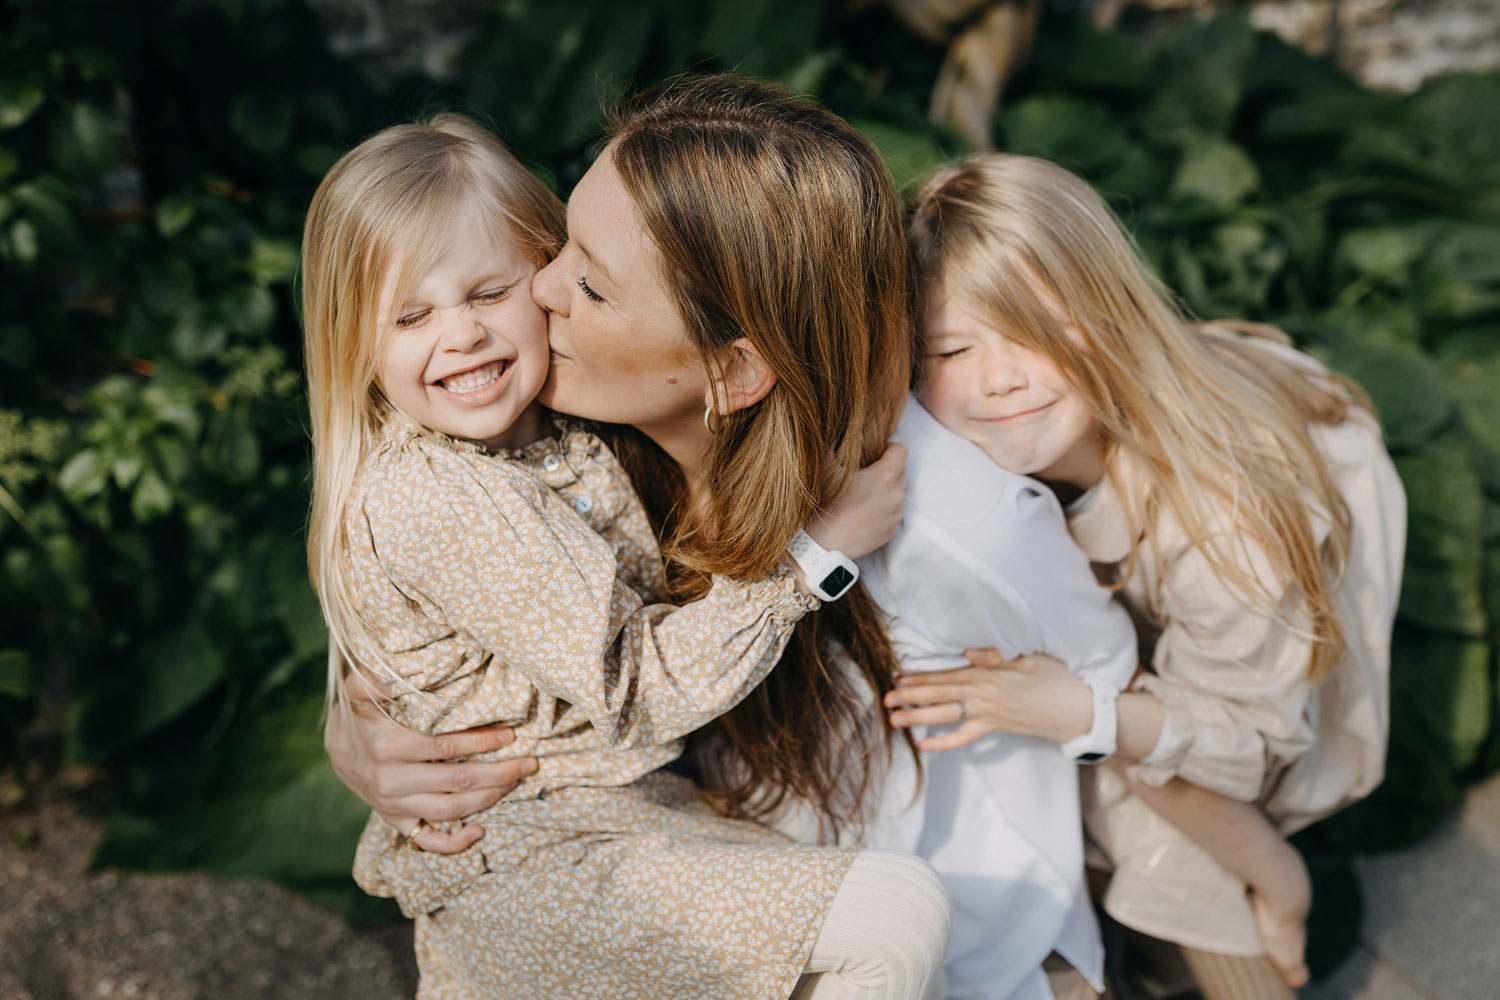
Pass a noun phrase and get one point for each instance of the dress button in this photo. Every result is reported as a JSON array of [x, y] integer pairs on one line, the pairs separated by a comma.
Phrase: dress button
[[551, 463], [583, 505]]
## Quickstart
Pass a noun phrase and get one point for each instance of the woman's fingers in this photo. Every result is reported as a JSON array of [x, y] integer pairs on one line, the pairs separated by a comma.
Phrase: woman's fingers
[[932, 715], [444, 807], [960, 737], [397, 743], [403, 779], [441, 842], [924, 694]]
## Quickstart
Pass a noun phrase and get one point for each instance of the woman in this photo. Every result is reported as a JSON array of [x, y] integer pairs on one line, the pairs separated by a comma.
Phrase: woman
[[686, 278]]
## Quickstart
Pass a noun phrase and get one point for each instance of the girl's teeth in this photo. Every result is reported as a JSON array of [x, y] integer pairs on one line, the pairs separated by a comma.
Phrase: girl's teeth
[[475, 380]]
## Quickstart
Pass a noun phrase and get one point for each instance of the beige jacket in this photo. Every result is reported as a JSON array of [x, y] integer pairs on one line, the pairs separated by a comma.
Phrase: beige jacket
[[1241, 717]]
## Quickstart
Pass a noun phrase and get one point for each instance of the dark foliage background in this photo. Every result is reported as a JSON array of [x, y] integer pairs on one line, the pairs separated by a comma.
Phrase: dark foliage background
[[155, 162]]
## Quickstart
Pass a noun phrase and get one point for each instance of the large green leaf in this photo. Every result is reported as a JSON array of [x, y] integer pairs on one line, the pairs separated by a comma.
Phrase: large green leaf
[[1408, 389], [1445, 523], [1213, 178], [85, 141], [1082, 135], [909, 153]]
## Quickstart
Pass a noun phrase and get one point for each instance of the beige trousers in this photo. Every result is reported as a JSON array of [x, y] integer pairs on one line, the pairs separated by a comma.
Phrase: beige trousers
[[885, 934]]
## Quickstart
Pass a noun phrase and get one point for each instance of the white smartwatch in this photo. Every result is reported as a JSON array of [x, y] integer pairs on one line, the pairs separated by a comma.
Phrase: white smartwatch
[[829, 574], [1099, 742]]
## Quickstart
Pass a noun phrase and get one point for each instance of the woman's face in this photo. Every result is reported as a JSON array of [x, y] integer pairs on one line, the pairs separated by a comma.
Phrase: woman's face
[[620, 349]]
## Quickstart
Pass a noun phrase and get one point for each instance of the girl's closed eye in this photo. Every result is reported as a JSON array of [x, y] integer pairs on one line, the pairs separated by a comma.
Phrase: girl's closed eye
[[589, 293], [490, 296], [944, 355], [410, 319]]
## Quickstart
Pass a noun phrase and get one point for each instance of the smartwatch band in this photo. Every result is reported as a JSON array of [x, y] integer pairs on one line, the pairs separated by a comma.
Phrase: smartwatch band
[[1099, 742], [829, 574]]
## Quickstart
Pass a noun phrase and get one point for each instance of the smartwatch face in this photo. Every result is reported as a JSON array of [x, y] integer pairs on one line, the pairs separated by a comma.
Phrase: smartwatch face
[[837, 581]]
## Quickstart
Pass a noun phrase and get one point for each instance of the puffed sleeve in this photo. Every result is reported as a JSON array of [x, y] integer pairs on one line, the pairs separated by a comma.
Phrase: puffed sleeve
[[482, 548], [1232, 679]]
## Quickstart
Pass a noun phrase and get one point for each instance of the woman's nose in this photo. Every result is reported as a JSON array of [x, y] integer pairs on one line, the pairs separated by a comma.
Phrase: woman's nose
[[547, 289]]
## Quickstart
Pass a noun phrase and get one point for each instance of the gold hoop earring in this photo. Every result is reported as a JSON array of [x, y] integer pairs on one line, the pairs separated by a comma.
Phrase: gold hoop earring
[[711, 420]]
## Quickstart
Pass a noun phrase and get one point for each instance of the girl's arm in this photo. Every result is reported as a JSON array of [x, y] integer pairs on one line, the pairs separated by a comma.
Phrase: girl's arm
[[1038, 696], [1240, 837], [501, 560]]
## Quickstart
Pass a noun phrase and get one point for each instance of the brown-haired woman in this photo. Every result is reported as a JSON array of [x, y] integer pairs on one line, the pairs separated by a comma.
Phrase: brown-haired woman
[[736, 247]]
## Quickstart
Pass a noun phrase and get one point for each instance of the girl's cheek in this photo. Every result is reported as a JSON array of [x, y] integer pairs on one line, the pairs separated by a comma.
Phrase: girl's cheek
[[937, 391]]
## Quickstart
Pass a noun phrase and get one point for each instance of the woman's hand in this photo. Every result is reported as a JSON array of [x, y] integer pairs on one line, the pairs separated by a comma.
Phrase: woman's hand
[[406, 776], [1030, 696], [867, 514]]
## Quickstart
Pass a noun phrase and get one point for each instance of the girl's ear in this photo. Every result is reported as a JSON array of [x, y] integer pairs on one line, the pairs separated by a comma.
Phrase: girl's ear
[[742, 379]]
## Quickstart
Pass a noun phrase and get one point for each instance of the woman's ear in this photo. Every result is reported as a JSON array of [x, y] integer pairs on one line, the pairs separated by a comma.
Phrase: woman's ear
[[742, 379]]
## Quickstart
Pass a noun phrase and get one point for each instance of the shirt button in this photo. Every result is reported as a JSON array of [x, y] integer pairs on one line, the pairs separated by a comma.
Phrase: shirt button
[[583, 505], [551, 463]]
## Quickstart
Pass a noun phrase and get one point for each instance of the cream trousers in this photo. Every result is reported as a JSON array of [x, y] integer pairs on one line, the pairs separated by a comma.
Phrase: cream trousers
[[885, 934]]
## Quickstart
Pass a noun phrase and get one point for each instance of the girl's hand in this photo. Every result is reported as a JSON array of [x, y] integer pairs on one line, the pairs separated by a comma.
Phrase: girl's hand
[[1030, 696], [406, 776], [867, 514]]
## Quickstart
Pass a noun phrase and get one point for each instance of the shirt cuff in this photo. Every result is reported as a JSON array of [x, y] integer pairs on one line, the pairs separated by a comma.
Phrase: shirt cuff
[[1178, 732]]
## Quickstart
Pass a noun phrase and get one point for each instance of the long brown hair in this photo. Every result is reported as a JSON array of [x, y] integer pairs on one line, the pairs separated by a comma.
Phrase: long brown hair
[[779, 223], [1218, 425]]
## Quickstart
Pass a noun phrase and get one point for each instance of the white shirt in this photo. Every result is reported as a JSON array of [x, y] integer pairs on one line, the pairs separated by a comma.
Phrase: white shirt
[[983, 558]]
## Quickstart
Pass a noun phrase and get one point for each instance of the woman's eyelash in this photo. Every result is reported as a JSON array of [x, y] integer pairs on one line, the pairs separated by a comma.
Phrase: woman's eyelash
[[589, 293], [948, 354]]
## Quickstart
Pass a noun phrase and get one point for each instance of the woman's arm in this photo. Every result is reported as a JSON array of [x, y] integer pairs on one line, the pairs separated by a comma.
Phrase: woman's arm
[[1030, 695], [404, 776]]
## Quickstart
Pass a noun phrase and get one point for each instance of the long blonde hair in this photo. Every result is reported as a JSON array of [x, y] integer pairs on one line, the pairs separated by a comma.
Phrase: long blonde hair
[[1216, 423], [779, 223], [384, 214]]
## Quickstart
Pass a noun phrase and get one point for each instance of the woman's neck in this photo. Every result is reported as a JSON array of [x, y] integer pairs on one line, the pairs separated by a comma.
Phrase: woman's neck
[[688, 443]]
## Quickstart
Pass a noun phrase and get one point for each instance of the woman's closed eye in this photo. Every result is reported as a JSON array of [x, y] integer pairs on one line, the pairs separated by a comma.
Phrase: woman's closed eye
[[948, 354], [589, 293]]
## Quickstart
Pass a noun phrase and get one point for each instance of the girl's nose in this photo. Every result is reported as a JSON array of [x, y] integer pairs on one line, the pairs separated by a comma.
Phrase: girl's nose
[[462, 330], [1000, 373], [547, 289]]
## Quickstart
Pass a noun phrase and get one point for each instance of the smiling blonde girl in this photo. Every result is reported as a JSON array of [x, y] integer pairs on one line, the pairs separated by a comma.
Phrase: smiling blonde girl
[[494, 566], [1239, 498]]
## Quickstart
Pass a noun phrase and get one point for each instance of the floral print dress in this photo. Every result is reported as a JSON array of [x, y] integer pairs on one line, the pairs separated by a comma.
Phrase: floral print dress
[[526, 588]]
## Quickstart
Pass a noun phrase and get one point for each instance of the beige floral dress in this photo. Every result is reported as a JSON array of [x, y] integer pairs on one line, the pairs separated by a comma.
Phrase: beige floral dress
[[526, 588]]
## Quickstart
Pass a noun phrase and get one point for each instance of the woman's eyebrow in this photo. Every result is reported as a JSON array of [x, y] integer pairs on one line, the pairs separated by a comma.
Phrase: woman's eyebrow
[[595, 262]]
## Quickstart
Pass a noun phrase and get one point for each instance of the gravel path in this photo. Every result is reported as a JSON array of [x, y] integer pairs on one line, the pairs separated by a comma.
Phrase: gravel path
[[67, 932]]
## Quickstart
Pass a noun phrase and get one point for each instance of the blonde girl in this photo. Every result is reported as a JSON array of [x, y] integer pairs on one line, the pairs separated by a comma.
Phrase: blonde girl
[[494, 566], [1239, 498]]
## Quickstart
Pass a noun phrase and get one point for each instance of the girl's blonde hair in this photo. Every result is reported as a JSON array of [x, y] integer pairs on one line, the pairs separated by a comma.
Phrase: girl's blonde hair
[[779, 223], [1218, 424], [377, 224]]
